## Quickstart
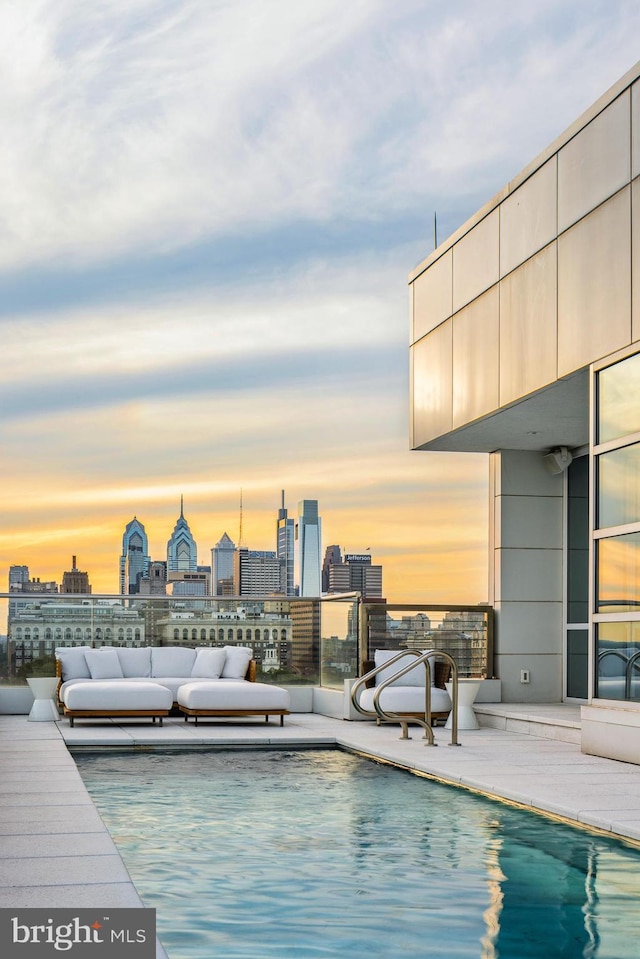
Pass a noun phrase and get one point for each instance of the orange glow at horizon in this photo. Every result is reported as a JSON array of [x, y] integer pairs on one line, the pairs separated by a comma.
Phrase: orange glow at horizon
[[430, 543]]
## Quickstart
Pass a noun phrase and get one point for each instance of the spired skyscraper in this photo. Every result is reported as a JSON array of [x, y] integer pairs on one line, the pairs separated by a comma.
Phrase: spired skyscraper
[[182, 552], [309, 536], [285, 550], [134, 562]]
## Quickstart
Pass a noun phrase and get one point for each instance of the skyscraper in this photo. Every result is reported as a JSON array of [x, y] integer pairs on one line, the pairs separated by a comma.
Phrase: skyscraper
[[134, 562], [222, 566], [256, 572], [355, 574], [75, 580], [285, 549], [182, 552], [308, 535], [332, 557]]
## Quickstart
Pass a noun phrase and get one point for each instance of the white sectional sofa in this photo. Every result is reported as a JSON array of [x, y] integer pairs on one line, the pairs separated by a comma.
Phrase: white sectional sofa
[[146, 681]]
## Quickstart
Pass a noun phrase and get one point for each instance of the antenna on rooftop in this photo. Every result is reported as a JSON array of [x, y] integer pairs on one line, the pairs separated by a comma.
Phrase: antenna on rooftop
[[435, 230], [240, 543]]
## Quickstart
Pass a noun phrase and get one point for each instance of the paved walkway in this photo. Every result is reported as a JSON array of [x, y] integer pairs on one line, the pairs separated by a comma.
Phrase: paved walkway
[[55, 848]]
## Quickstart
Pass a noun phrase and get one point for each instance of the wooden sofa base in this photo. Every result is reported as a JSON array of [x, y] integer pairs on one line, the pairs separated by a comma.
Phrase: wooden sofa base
[[232, 713], [153, 714]]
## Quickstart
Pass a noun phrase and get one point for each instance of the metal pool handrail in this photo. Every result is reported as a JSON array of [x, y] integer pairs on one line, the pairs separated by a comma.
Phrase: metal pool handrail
[[390, 717]]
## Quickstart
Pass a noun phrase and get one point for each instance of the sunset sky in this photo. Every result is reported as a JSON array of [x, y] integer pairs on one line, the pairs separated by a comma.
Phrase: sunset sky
[[209, 210]]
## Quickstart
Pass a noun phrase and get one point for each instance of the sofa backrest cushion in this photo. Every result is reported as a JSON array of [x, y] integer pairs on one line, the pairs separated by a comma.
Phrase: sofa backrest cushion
[[103, 663], [135, 661], [172, 661], [209, 663], [415, 676], [72, 662], [236, 661]]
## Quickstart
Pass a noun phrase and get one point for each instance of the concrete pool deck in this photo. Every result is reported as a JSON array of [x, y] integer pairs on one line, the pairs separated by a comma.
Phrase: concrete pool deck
[[55, 849]]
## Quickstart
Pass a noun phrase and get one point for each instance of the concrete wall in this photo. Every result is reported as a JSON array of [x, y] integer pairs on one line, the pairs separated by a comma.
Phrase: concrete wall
[[611, 730], [526, 575]]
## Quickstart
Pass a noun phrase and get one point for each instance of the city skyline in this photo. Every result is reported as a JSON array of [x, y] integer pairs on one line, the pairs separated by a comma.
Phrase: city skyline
[[208, 224], [137, 556]]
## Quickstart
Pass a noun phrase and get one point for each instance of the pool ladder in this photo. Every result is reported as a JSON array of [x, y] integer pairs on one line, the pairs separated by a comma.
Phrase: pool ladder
[[386, 716]]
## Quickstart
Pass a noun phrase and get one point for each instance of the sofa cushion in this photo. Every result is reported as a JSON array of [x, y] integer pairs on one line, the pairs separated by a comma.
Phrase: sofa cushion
[[236, 661], [172, 661], [135, 661], [209, 663], [233, 696], [406, 699], [72, 662], [103, 663], [104, 695], [415, 676]]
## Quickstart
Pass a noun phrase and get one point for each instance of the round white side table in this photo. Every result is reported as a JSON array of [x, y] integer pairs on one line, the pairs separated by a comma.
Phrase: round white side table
[[44, 709], [467, 692]]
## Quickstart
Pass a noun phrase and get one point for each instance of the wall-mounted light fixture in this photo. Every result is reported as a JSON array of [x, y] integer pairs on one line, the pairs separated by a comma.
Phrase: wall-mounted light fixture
[[558, 460]]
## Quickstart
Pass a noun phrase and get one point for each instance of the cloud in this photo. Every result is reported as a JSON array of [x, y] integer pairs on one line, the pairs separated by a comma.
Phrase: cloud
[[155, 125]]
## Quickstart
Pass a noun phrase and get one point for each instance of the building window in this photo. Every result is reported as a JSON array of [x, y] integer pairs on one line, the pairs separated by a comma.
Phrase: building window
[[617, 531], [619, 486], [618, 573], [618, 410]]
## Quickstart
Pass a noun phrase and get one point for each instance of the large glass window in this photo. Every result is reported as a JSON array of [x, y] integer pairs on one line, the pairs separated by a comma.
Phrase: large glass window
[[617, 504], [619, 487], [618, 666], [619, 399], [618, 574]]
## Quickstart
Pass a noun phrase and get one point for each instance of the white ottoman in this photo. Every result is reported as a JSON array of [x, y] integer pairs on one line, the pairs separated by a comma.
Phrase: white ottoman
[[225, 697], [118, 699], [408, 701]]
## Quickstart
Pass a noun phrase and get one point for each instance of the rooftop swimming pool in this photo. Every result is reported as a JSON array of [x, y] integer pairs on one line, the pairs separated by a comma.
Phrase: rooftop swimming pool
[[318, 854]]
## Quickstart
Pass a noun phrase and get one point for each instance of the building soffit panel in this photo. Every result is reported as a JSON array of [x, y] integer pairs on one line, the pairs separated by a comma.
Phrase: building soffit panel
[[596, 163], [555, 416], [529, 326], [475, 358], [594, 285], [432, 395], [476, 261], [529, 217]]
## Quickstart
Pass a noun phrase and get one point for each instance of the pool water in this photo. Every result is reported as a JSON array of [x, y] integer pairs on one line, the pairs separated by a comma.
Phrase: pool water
[[318, 854]]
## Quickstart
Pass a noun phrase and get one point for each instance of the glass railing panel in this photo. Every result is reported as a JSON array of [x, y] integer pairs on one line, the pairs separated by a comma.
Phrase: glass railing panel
[[465, 632], [289, 637], [294, 640], [339, 640]]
